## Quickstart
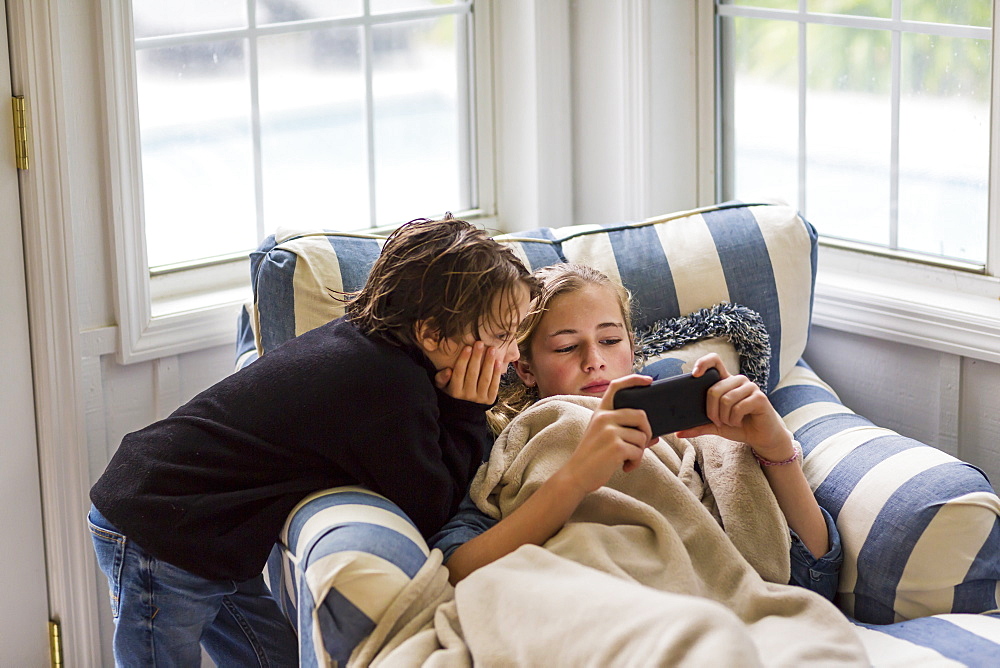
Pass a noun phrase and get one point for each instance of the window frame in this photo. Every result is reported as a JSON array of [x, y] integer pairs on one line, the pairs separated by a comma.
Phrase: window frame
[[886, 295], [191, 307]]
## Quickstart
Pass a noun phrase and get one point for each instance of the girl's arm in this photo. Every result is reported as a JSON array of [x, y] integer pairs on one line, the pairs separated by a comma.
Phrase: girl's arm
[[740, 411], [614, 439]]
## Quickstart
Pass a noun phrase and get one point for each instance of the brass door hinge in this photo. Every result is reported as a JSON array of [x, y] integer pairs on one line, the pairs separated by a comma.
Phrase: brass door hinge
[[20, 132], [55, 644]]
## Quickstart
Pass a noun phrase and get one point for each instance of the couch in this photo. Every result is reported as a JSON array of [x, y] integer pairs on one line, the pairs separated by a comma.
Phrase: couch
[[920, 529]]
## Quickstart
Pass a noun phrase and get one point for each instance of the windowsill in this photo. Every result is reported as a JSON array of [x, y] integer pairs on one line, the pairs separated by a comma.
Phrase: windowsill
[[905, 302], [185, 315]]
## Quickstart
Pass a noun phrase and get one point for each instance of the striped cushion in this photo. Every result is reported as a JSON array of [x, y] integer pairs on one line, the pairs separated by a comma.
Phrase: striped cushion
[[345, 555], [681, 360], [941, 640], [297, 277], [920, 529], [246, 347], [758, 255]]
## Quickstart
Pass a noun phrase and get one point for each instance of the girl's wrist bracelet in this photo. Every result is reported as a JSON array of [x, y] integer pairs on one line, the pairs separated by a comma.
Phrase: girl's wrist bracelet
[[796, 455]]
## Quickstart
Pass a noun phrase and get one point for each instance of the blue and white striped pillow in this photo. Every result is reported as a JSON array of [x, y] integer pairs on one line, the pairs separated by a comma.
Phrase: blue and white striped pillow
[[297, 277], [246, 347], [762, 256]]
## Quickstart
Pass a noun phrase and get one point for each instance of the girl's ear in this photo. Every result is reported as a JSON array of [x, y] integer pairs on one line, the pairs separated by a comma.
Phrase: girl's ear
[[427, 335], [523, 369]]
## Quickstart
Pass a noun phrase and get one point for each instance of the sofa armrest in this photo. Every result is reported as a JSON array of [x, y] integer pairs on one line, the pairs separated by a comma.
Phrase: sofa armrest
[[345, 555], [920, 528]]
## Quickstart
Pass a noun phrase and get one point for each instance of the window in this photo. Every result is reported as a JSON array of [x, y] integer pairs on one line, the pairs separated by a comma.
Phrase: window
[[232, 118], [872, 116], [255, 113]]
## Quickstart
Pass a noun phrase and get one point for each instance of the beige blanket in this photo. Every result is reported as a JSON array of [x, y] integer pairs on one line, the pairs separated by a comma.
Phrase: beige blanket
[[643, 574]]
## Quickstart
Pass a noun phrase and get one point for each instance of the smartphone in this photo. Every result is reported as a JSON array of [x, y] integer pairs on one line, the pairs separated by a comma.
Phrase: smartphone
[[671, 404]]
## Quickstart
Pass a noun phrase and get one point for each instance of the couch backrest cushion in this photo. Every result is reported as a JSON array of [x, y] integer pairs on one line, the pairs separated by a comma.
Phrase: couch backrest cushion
[[759, 255]]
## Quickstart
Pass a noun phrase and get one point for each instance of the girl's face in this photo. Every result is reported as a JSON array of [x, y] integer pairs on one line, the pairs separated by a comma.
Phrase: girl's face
[[580, 345]]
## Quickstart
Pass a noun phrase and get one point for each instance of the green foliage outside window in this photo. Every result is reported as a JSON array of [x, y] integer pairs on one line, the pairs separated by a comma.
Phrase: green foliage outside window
[[841, 58]]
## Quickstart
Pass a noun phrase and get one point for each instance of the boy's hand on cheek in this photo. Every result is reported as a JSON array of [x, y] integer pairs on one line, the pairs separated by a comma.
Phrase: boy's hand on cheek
[[475, 376]]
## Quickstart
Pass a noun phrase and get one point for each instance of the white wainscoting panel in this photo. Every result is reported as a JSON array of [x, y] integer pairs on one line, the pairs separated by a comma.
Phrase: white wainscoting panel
[[940, 399]]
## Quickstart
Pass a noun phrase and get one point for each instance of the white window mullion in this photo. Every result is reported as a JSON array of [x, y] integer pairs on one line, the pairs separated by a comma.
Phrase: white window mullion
[[803, 110], [894, 101], [369, 111], [856, 21], [258, 168], [466, 109], [993, 231]]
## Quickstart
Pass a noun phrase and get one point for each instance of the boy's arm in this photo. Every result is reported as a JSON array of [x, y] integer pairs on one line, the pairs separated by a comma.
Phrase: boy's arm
[[429, 459]]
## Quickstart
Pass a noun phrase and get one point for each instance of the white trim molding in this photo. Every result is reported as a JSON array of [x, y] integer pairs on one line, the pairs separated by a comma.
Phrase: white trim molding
[[636, 126], [142, 334], [48, 247], [705, 88], [534, 144], [904, 302]]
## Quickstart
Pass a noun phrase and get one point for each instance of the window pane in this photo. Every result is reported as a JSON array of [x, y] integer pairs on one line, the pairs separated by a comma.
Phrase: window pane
[[313, 142], [964, 12], [382, 6], [197, 152], [419, 141], [283, 11], [153, 18], [848, 132], [879, 8], [944, 139], [765, 109]]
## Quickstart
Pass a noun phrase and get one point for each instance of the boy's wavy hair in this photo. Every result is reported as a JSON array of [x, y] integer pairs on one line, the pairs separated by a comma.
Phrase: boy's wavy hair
[[446, 272], [555, 280]]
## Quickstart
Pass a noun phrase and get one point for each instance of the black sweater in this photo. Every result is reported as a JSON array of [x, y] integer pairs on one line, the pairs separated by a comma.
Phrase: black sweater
[[209, 487]]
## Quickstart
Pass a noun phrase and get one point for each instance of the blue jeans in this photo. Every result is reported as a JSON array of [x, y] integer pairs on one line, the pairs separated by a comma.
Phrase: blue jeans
[[163, 613]]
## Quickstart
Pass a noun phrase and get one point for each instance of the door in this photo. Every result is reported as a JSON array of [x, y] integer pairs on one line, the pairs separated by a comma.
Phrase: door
[[24, 599]]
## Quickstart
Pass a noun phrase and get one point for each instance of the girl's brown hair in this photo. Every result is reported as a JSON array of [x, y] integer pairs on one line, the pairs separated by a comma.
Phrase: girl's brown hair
[[554, 280], [446, 272]]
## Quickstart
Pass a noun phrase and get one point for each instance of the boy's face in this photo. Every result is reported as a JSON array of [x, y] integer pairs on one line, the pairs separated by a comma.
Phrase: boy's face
[[580, 346], [497, 332]]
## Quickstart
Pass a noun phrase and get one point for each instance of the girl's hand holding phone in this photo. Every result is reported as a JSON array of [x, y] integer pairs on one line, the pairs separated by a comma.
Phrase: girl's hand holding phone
[[740, 411], [614, 439]]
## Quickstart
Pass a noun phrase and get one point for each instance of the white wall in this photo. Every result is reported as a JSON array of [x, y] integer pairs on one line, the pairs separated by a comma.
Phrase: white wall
[[619, 168], [944, 400]]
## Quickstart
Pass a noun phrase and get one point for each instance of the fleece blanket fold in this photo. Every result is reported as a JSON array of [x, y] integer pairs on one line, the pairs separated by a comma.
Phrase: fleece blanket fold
[[682, 561]]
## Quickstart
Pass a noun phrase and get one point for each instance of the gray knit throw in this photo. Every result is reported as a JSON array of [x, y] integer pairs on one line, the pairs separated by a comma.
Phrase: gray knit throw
[[741, 326]]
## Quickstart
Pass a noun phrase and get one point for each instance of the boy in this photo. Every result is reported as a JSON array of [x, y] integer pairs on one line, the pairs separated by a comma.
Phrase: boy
[[392, 396]]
